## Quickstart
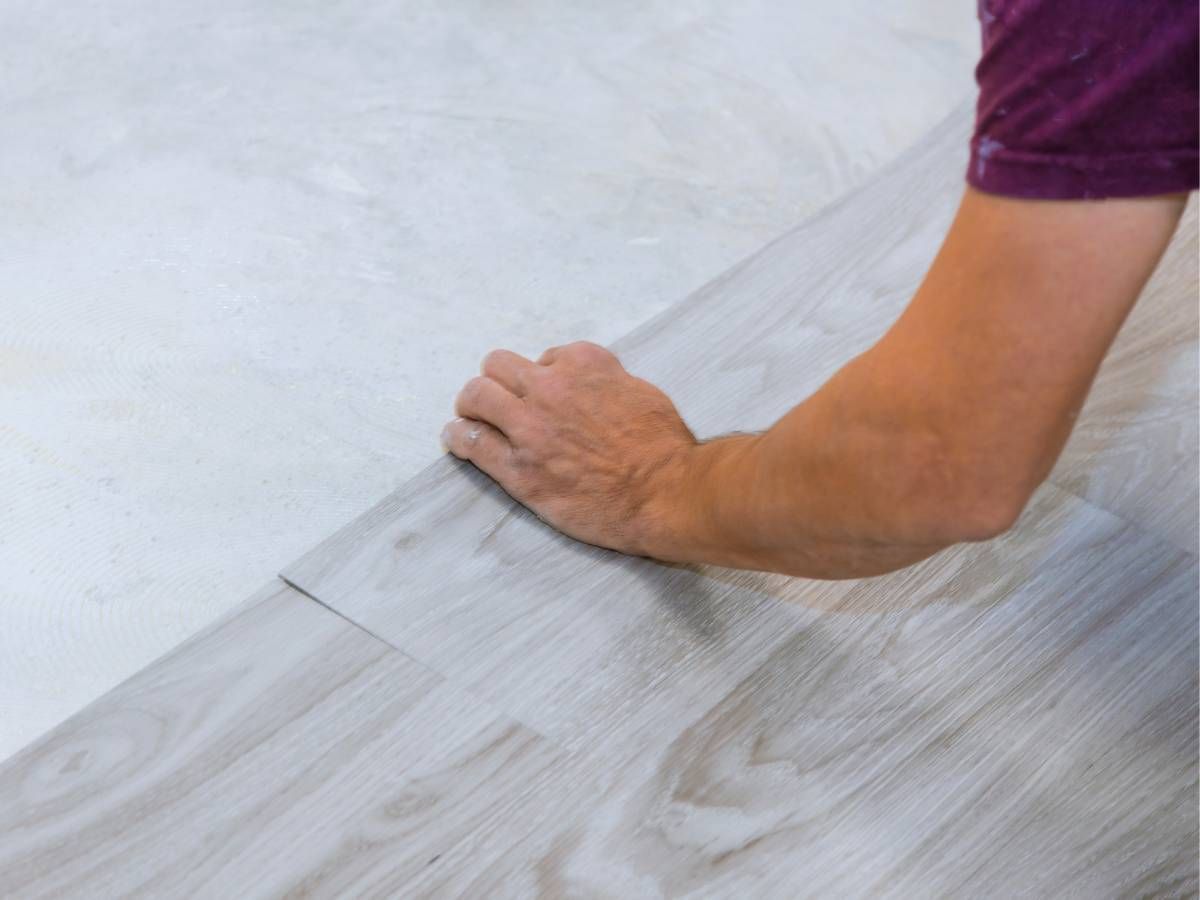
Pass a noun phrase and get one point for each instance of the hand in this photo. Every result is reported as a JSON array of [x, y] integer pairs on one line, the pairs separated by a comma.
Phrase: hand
[[599, 454]]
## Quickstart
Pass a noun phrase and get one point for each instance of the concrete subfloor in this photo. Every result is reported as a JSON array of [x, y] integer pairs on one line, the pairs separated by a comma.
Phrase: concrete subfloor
[[248, 254]]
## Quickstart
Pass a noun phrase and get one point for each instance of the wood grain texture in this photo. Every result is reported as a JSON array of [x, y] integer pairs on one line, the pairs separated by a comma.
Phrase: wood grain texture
[[1020, 723], [283, 751], [1029, 729], [1020, 714], [581, 644]]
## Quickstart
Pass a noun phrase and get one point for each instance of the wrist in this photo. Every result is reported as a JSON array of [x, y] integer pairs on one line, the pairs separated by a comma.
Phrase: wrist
[[690, 518]]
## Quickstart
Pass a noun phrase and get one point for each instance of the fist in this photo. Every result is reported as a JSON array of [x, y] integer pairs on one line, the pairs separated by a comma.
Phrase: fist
[[599, 454]]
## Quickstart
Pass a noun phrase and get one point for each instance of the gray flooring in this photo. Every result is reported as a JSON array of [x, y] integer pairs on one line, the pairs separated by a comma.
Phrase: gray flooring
[[496, 710], [249, 252], [328, 763]]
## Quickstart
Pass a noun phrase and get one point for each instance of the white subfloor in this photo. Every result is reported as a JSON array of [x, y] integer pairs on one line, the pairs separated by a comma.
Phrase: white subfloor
[[248, 253]]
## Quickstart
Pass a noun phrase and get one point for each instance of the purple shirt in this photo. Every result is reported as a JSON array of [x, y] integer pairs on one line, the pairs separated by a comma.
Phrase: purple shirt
[[1086, 99]]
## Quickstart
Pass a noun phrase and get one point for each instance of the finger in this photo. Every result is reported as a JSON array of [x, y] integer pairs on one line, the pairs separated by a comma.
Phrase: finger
[[510, 370], [549, 356], [484, 399], [480, 444]]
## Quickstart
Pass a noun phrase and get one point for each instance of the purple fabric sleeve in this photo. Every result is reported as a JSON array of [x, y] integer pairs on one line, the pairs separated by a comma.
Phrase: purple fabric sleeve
[[1082, 99]]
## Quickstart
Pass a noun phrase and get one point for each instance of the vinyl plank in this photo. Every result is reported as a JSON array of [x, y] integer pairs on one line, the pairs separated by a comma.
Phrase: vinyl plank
[[1029, 735], [1021, 712], [584, 645], [1035, 731], [281, 751]]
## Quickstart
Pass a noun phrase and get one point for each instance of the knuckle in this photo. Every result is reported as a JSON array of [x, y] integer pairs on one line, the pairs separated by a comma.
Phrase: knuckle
[[586, 351], [491, 359], [474, 388]]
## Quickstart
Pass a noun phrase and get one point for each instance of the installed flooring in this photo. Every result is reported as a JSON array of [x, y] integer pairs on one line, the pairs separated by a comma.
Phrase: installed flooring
[[496, 710], [1022, 724], [282, 751]]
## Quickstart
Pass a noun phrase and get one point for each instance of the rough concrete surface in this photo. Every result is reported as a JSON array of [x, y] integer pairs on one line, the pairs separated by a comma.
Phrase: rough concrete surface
[[249, 252]]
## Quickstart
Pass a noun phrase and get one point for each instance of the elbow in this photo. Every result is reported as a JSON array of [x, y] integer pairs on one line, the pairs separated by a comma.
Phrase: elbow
[[986, 514], [967, 497]]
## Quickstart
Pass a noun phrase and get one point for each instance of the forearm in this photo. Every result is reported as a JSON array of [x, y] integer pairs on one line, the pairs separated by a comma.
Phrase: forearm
[[850, 483], [942, 431]]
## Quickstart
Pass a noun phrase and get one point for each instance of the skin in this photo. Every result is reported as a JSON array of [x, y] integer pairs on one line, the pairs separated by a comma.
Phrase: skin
[[938, 434]]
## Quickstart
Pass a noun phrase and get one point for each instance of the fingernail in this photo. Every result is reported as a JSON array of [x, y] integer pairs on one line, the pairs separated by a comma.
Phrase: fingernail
[[446, 436]]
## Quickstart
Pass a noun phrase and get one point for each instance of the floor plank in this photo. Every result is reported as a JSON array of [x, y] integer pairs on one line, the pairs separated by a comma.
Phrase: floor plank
[[585, 646], [1019, 714], [282, 751], [1025, 718], [1027, 727]]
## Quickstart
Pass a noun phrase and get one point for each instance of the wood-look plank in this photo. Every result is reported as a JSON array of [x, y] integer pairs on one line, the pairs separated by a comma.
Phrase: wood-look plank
[[1028, 727], [282, 751], [1028, 723], [581, 644], [1020, 715]]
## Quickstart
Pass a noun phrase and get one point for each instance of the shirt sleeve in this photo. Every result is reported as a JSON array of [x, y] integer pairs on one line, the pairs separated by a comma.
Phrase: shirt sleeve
[[1082, 99]]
